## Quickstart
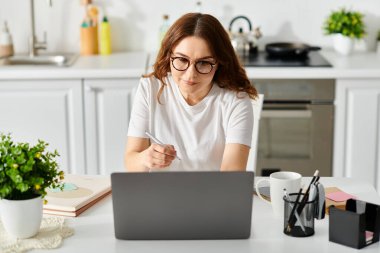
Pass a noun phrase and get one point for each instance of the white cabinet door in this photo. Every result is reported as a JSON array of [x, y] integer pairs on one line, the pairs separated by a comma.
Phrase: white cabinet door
[[51, 110], [108, 104], [357, 130]]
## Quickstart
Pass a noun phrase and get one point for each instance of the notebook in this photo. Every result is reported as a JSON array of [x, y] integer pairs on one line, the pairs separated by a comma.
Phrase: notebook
[[336, 197], [182, 205], [80, 193]]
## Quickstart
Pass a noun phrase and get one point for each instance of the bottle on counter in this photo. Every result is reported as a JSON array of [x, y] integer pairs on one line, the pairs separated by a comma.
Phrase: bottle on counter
[[164, 27], [105, 37], [6, 43], [89, 39]]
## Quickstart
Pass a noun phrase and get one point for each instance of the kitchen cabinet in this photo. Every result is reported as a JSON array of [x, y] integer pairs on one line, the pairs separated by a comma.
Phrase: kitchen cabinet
[[108, 104], [51, 110], [357, 130]]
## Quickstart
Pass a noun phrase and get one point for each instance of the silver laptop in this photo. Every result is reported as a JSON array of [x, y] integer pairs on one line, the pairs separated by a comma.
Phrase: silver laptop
[[182, 205]]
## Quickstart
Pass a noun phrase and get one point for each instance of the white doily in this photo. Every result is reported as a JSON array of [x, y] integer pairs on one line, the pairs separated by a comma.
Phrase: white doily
[[52, 232]]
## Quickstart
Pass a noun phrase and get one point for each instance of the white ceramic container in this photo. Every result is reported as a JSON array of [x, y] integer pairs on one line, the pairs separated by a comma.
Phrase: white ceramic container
[[21, 218], [343, 44]]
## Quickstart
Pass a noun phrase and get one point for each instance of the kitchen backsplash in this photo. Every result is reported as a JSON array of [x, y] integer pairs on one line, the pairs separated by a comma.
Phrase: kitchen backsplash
[[135, 23]]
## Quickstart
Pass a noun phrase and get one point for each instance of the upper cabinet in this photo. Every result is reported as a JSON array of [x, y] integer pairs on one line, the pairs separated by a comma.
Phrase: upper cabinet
[[357, 130], [108, 104], [51, 110]]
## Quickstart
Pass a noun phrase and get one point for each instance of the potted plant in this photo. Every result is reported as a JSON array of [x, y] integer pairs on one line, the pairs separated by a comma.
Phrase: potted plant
[[378, 42], [25, 173], [346, 26]]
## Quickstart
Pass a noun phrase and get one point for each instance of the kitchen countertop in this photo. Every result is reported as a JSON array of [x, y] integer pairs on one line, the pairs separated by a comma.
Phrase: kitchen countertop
[[117, 65], [133, 64], [357, 65]]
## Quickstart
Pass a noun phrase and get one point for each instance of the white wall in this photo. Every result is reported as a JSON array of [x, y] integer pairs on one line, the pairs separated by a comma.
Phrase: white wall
[[135, 23]]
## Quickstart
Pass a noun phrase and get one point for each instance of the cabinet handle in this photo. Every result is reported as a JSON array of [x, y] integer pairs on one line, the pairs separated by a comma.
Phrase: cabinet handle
[[286, 114]]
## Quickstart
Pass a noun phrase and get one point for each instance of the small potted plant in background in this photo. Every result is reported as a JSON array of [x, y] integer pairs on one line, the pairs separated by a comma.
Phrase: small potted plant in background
[[25, 173], [378, 42], [345, 26]]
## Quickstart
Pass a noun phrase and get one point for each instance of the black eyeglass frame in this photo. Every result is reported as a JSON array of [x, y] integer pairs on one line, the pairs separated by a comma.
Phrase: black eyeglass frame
[[189, 63]]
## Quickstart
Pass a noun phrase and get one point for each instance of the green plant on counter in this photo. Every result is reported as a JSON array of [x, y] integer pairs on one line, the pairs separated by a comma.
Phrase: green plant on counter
[[345, 22], [378, 36], [27, 171]]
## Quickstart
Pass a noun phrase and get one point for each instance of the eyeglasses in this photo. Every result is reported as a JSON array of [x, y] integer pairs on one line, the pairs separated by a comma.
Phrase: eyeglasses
[[201, 66]]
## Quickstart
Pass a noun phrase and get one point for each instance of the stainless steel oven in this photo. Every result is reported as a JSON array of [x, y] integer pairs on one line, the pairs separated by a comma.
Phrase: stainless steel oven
[[296, 126]]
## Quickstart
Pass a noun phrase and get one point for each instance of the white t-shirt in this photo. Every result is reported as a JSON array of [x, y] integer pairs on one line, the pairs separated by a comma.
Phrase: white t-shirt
[[199, 132]]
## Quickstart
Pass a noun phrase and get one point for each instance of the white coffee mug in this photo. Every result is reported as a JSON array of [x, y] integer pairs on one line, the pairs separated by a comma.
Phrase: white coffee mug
[[291, 181]]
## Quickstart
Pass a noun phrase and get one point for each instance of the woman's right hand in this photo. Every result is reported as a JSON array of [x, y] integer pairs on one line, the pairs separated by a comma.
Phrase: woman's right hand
[[158, 156]]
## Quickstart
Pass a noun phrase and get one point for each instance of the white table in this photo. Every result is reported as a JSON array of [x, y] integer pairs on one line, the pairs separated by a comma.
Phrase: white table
[[94, 231]]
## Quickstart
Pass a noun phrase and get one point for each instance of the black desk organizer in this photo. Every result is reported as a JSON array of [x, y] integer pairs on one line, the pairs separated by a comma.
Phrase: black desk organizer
[[348, 227]]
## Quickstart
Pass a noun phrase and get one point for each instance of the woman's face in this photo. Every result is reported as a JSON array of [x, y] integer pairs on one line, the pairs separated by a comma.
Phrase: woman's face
[[195, 53]]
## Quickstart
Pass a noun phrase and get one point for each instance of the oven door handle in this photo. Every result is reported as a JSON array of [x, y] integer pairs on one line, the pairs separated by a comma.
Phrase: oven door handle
[[287, 112]]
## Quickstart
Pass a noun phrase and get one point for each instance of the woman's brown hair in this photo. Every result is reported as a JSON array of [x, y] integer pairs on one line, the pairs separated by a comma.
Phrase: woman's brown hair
[[229, 75]]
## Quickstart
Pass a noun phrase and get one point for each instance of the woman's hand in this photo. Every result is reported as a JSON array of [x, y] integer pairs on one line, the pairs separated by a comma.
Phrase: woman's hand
[[142, 156], [158, 156]]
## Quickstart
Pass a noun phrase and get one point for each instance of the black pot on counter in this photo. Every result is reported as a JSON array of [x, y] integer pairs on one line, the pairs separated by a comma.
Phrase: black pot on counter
[[286, 49]]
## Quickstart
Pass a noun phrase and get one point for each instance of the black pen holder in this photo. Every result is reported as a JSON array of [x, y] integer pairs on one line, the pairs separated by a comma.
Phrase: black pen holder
[[357, 226], [303, 223]]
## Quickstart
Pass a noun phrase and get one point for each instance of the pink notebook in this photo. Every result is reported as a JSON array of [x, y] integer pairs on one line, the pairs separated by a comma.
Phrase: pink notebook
[[339, 196]]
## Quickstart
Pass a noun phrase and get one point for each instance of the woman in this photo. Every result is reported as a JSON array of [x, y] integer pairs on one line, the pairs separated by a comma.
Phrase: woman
[[197, 101]]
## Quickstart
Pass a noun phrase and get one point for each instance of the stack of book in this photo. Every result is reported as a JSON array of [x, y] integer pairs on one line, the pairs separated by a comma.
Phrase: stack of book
[[80, 193]]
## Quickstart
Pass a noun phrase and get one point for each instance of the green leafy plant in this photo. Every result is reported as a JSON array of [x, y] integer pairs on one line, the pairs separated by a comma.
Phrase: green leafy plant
[[378, 36], [345, 22], [27, 171]]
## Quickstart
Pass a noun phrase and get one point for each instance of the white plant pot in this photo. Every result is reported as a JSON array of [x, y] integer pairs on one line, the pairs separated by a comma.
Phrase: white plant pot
[[343, 44], [21, 218]]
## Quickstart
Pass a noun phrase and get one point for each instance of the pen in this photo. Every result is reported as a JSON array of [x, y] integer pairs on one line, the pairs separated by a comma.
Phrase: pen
[[296, 214], [157, 141], [291, 216]]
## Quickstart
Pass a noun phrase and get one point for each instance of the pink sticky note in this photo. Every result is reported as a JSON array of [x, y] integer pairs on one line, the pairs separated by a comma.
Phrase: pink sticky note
[[339, 196], [368, 235]]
